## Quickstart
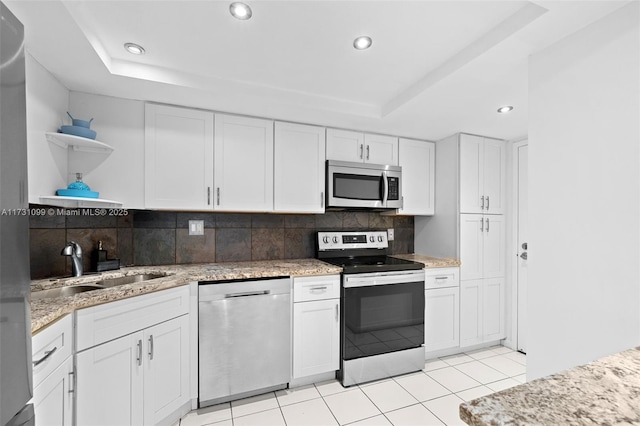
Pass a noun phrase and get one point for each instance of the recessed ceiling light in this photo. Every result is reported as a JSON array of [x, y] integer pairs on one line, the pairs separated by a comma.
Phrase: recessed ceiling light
[[505, 109], [136, 49], [240, 11], [362, 42]]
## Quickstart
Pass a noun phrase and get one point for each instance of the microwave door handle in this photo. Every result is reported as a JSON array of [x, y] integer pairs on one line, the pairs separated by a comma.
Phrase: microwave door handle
[[385, 195]]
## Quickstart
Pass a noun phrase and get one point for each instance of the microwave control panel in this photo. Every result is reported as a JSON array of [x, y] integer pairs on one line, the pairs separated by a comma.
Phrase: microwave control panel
[[394, 188]]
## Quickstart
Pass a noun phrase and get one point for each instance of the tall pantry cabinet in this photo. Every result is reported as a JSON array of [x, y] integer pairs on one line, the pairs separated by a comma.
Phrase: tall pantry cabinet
[[469, 224]]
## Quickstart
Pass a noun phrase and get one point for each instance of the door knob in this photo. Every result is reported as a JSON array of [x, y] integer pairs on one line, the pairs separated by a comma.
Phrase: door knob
[[523, 255]]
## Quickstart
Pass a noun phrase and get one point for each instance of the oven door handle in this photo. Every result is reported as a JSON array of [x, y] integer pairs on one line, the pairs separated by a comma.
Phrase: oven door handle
[[371, 280]]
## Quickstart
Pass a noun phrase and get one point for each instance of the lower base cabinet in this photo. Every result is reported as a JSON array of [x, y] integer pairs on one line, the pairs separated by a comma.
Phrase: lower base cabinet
[[53, 397], [137, 379], [441, 318], [481, 311]]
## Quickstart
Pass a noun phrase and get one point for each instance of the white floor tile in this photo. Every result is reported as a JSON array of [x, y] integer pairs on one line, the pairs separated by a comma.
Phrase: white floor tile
[[453, 379], [264, 418], [364, 385], [434, 364], [518, 357], [255, 404], [417, 415], [351, 406], [457, 359], [330, 387], [208, 415], [292, 396], [379, 420], [313, 412], [473, 393], [503, 384], [501, 349], [481, 353], [447, 409], [422, 387], [480, 372], [521, 378], [389, 395], [505, 365]]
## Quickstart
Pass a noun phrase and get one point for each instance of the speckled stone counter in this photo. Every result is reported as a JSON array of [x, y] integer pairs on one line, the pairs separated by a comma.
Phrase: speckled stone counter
[[429, 261], [604, 392], [46, 311]]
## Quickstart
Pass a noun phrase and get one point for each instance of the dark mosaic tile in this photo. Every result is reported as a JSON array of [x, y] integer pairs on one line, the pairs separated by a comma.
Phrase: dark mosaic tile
[[126, 221], [403, 221], [267, 221], [195, 248], [380, 222], [125, 246], [356, 220], [182, 220], [299, 243], [89, 218], [233, 220], [88, 240], [403, 242], [46, 220], [267, 243], [151, 219], [154, 246], [300, 221], [329, 221], [45, 247], [233, 244]]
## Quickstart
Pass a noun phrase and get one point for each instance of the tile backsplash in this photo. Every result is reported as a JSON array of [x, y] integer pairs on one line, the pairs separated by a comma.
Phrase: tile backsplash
[[160, 238]]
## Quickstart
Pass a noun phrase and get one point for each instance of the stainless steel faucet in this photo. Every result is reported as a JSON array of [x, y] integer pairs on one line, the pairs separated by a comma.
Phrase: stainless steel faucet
[[73, 249]]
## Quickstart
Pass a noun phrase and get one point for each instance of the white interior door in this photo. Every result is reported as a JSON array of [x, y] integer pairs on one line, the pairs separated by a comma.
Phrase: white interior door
[[522, 241]]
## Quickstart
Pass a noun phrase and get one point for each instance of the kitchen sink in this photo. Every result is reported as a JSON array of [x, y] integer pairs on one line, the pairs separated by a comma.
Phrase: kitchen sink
[[129, 279], [69, 290]]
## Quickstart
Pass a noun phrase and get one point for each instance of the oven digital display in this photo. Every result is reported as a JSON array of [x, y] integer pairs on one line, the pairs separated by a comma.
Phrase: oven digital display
[[350, 239]]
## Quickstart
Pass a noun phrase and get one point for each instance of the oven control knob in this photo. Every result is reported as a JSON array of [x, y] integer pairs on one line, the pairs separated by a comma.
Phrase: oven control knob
[[372, 238], [325, 240], [380, 238], [335, 240]]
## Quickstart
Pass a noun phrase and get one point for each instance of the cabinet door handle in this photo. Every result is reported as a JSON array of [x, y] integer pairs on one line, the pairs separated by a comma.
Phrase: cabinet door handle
[[322, 199], [47, 354], [72, 375], [481, 225], [487, 224], [482, 203], [361, 150], [208, 195], [151, 347], [139, 356], [487, 202], [367, 152], [337, 312], [218, 195]]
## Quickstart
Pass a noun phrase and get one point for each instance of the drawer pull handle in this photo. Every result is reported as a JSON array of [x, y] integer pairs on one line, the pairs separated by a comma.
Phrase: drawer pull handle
[[47, 354], [442, 278], [323, 288]]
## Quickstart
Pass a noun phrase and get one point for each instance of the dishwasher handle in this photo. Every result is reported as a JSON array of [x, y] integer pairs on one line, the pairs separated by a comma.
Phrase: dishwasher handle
[[247, 293]]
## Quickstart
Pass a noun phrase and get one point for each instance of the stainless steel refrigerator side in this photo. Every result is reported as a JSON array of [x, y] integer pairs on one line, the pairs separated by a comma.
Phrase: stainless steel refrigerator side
[[16, 387]]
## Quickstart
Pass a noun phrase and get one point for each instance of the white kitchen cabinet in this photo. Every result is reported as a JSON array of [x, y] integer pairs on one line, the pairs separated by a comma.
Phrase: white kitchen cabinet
[[316, 325], [299, 168], [482, 246], [481, 311], [442, 309], [482, 175], [178, 165], [347, 145], [417, 159], [243, 166], [53, 397]]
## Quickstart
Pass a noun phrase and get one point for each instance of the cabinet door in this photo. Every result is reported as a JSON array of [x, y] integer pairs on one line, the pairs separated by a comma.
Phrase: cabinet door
[[52, 399], [471, 174], [243, 175], [299, 172], [381, 149], [494, 165], [417, 159], [345, 145], [109, 383], [471, 315], [493, 309], [316, 337], [178, 158], [471, 246], [166, 371], [442, 318], [493, 247]]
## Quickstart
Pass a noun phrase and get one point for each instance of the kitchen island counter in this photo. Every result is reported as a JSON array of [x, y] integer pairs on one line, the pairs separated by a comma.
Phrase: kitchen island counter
[[603, 392]]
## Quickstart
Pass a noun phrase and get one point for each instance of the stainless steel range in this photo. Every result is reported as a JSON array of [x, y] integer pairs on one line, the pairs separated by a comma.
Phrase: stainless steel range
[[382, 306]]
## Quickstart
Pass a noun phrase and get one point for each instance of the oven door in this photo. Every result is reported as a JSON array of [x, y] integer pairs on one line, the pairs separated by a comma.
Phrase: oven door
[[357, 185], [382, 313]]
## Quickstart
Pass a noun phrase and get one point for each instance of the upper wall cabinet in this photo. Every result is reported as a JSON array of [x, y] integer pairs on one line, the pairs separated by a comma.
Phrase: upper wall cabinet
[[346, 145], [482, 175], [299, 168], [417, 159], [243, 166], [178, 158]]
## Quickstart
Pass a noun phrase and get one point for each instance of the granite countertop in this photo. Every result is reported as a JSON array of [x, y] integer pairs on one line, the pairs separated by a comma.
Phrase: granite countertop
[[604, 392], [48, 310], [429, 261]]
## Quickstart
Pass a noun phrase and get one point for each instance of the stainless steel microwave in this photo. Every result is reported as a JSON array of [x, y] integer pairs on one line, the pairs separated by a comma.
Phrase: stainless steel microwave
[[362, 185]]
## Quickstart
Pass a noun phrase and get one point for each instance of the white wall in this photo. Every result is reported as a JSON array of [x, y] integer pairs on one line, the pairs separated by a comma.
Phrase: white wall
[[47, 102], [584, 162]]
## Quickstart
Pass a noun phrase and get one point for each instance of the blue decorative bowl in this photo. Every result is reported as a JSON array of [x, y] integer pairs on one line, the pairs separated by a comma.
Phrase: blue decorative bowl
[[78, 131], [77, 193]]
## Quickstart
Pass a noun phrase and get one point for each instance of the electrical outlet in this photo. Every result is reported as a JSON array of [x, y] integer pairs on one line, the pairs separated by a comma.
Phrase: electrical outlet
[[390, 234], [196, 227]]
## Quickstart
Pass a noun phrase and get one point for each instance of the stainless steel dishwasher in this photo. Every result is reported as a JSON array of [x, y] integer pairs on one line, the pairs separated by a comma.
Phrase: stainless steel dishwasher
[[244, 338]]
